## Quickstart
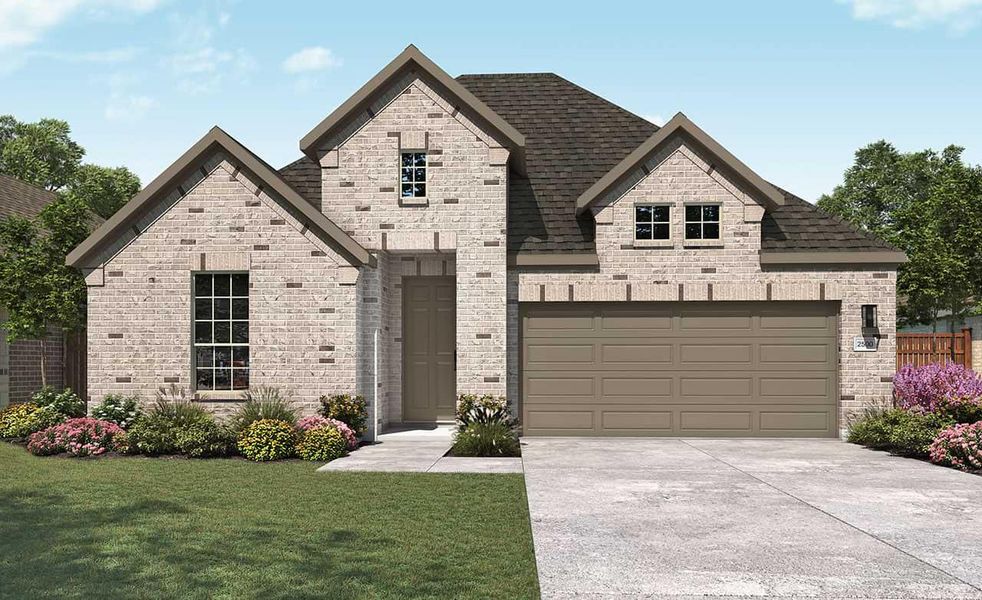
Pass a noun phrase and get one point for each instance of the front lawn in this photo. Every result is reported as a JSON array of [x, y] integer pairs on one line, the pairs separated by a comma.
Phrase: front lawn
[[173, 528]]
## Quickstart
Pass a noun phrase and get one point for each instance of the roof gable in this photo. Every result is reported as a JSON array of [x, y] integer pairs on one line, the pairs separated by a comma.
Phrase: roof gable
[[216, 140], [680, 125], [411, 59]]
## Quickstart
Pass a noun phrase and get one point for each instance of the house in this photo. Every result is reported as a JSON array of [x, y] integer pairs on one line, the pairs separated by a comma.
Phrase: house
[[495, 234], [20, 362]]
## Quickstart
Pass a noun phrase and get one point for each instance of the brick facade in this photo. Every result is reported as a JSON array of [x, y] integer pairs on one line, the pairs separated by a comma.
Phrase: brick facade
[[25, 366], [319, 326]]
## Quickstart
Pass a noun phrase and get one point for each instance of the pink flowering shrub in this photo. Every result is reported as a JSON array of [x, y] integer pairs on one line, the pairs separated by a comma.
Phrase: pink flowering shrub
[[959, 447], [937, 387], [308, 423], [77, 437]]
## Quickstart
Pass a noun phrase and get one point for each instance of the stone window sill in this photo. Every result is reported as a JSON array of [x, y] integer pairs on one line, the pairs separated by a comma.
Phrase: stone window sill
[[638, 244], [220, 396], [410, 201], [702, 244]]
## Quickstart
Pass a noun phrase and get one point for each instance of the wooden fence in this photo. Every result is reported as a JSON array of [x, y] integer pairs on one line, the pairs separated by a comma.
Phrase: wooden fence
[[920, 349], [75, 362]]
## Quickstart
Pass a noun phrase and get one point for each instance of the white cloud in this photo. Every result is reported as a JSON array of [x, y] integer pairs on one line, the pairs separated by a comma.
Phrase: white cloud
[[957, 15], [23, 22], [128, 107], [111, 56], [204, 70], [656, 119], [315, 58]]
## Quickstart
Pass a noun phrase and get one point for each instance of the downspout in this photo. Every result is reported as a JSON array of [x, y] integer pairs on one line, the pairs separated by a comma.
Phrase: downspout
[[375, 383]]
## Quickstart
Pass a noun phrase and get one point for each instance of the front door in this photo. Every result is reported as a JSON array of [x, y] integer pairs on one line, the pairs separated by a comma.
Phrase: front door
[[429, 333]]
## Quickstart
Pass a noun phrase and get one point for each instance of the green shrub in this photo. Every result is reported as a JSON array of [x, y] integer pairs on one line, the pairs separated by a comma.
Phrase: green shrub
[[119, 409], [899, 431], [121, 443], [157, 432], [962, 410], [205, 439], [322, 444], [152, 434], [268, 439], [350, 410], [478, 439], [21, 420], [257, 408], [65, 402], [486, 410]]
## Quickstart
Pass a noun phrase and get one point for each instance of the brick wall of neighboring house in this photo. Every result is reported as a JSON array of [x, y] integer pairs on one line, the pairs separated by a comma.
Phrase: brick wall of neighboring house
[[25, 366], [302, 294], [731, 272], [459, 231]]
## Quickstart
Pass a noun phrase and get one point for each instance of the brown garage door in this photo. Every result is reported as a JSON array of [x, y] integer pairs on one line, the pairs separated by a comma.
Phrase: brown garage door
[[693, 368]]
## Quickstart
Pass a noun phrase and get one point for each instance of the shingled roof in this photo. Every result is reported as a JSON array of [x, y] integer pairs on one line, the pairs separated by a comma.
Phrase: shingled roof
[[573, 138], [22, 199]]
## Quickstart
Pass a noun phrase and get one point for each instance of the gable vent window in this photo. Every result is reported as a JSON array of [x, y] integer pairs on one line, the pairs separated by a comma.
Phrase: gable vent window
[[651, 222], [221, 331], [413, 174], [702, 222]]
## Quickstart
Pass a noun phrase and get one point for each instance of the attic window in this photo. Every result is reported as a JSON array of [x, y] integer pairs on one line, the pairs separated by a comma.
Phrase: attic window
[[413, 175], [651, 222], [702, 222]]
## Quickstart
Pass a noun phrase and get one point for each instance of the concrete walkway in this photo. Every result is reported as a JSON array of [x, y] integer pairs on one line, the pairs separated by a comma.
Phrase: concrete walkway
[[420, 451], [749, 519]]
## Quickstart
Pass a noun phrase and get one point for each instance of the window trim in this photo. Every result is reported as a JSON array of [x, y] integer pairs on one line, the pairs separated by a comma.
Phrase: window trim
[[219, 394], [702, 241], [666, 243], [414, 200]]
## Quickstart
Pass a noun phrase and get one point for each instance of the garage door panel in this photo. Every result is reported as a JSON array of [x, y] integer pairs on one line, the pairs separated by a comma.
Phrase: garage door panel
[[699, 368], [560, 354], [632, 355], [705, 354]]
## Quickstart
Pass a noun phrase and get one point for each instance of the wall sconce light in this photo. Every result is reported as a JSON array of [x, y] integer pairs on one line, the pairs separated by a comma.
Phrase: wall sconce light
[[870, 326]]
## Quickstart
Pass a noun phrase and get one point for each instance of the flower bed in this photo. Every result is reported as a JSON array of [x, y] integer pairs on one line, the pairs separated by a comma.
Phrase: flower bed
[[938, 416], [77, 437]]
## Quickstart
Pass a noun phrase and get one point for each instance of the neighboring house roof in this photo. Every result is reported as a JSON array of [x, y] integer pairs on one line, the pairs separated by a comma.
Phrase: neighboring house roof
[[213, 141], [22, 199], [410, 59]]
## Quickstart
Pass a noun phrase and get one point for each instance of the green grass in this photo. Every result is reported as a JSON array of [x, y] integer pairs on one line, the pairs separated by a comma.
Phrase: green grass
[[167, 528]]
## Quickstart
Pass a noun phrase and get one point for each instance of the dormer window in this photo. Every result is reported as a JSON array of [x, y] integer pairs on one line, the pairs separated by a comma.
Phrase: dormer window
[[413, 175], [702, 222], [652, 222]]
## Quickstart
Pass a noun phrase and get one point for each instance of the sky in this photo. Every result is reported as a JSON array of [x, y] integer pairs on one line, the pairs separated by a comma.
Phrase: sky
[[791, 87]]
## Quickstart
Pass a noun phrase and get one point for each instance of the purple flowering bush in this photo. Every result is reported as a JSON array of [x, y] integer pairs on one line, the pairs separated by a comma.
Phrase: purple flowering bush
[[949, 387], [77, 437], [315, 421], [959, 446]]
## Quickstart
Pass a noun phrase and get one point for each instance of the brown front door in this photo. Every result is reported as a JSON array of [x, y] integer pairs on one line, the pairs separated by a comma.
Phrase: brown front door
[[429, 334]]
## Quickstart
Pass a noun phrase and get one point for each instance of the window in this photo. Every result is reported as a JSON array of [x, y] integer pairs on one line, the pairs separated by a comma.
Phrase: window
[[702, 222], [221, 331], [413, 172], [651, 222]]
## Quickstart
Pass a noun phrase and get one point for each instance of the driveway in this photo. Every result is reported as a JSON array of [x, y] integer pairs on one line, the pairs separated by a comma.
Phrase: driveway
[[686, 518]]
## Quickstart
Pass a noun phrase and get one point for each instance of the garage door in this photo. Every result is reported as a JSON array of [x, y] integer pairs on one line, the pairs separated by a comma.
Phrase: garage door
[[684, 369]]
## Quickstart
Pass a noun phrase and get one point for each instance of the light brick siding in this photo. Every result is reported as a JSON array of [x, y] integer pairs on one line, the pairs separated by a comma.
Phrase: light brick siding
[[140, 315], [25, 366], [460, 231], [730, 272]]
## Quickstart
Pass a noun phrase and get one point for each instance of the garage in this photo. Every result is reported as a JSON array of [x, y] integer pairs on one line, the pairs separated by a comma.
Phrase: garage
[[734, 369]]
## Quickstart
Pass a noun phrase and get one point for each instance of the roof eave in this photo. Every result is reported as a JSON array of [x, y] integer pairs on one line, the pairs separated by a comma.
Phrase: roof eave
[[406, 59], [679, 124], [785, 257], [182, 168]]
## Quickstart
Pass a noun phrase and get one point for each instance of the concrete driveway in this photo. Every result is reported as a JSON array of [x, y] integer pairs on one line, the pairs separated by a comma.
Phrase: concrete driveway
[[749, 519]]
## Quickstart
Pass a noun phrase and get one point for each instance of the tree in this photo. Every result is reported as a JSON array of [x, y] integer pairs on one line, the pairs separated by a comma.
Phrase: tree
[[42, 153], [930, 206], [36, 286], [104, 189]]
